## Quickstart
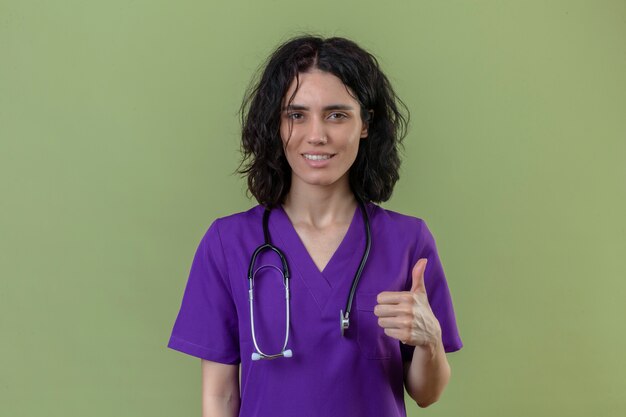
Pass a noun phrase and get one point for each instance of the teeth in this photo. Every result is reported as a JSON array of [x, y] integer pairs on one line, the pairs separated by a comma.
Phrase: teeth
[[316, 157]]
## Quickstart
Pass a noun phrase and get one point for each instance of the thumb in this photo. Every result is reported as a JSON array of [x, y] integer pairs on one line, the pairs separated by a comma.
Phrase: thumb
[[418, 276]]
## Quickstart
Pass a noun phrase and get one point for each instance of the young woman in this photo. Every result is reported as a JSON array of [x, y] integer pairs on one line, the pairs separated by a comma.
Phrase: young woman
[[348, 299]]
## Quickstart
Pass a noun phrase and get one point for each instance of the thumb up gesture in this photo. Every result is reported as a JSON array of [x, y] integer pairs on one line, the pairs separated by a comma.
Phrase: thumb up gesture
[[406, 315]]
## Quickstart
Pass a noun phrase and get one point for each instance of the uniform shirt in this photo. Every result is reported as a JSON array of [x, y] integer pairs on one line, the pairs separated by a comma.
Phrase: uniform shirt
[[360, 373]]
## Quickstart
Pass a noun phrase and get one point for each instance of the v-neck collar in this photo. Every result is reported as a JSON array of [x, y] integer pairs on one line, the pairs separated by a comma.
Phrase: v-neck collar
[[340, 267]]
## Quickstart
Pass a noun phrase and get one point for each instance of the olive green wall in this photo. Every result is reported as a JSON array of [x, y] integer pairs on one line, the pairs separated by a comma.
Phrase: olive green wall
[[119, 129]]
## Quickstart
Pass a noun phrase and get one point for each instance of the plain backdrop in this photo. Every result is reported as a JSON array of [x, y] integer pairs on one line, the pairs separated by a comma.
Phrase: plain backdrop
[[119, 137]]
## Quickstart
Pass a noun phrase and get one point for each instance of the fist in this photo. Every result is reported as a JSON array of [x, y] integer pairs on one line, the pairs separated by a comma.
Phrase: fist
[[406, 315]]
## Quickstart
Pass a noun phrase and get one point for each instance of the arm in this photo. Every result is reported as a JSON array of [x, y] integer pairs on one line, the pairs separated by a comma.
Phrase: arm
[[220, 389], [408, 317], [427, 375]]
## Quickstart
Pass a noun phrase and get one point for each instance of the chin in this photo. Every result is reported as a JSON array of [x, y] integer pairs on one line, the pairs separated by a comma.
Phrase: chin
[[323, 180]]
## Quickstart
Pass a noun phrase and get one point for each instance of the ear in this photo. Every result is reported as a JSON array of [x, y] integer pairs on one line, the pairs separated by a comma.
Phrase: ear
[[364, 131]]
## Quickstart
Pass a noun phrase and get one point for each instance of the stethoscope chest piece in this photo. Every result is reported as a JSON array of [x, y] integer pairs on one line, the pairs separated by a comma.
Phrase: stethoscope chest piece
[[344, 322]]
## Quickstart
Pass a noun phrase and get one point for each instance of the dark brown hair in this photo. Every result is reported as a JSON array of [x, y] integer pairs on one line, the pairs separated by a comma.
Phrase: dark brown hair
[[375, 170]]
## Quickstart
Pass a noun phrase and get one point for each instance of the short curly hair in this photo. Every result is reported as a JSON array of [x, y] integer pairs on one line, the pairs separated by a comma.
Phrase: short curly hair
[[376, 168]]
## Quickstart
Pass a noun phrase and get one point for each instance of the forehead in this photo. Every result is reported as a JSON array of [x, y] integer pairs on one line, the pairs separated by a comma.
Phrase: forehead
[[318, 86]]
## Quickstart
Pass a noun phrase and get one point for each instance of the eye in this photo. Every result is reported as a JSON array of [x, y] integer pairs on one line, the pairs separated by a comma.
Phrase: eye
[[294, 115], [338, 116]]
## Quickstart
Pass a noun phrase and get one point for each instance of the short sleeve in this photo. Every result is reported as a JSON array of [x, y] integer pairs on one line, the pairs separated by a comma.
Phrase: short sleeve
[[206, 325], [438, 293]]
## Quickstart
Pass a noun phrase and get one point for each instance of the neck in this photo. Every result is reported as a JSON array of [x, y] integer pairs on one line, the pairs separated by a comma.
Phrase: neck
[[320, 206]]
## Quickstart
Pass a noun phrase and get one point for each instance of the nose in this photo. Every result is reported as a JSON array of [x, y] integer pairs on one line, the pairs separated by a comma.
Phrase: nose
[[316, 134]]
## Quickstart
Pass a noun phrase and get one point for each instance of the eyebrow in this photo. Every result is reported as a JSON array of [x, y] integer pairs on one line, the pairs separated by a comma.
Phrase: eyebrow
[[330, 107]]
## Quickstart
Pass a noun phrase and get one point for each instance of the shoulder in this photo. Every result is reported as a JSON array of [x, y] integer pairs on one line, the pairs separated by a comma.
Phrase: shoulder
[[402, 229], [240, 219], [397, 222], [235, 223]]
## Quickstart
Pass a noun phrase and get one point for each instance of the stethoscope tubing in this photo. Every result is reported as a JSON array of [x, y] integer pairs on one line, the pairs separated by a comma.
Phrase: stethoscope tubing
[[259, 354], [344, 317]]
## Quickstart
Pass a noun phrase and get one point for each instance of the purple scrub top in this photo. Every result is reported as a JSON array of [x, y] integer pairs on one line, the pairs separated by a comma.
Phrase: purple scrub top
[[360, 373]]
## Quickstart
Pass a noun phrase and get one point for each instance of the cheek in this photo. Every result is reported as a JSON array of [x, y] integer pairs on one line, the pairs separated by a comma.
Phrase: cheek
[[289, 148], [288, 143], [290, 151], [353, 145]]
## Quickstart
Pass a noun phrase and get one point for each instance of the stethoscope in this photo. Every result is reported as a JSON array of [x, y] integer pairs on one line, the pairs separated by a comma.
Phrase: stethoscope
[[344, 317]]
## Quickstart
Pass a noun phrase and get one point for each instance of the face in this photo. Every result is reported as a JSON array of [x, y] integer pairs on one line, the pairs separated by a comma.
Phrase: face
[[326, 129]]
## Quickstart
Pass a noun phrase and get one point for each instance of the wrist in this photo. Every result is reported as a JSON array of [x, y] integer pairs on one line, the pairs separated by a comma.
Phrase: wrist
[[433, 347]]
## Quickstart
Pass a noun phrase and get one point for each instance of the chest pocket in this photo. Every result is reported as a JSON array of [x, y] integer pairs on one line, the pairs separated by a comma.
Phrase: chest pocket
[[371, 338]]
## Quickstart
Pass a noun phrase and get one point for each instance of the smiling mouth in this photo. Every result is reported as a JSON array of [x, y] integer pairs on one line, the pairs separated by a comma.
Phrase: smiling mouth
[[317, 157]]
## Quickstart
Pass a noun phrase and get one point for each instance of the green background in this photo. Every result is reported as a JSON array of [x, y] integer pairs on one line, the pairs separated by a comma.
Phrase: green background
[[119, 136]]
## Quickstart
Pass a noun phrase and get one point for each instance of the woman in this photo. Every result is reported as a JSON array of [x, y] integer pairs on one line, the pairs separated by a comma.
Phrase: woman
[[362, 318]]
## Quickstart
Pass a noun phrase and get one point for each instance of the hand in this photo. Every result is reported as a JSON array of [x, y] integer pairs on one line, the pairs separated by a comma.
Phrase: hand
[[406, 315]]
